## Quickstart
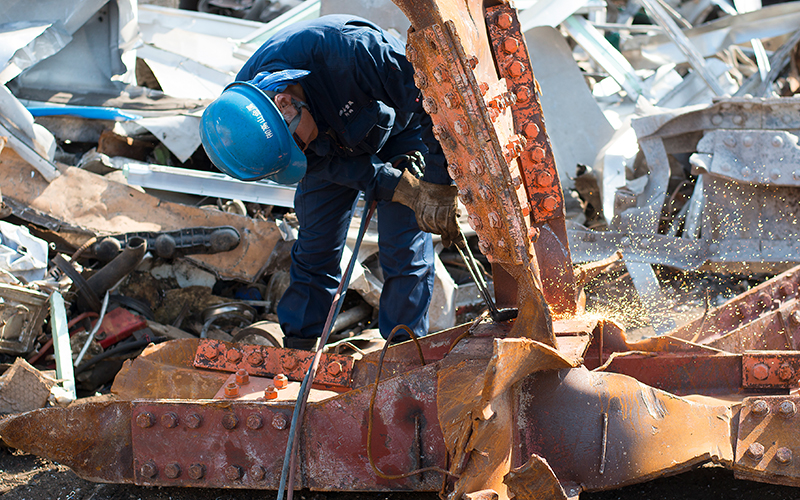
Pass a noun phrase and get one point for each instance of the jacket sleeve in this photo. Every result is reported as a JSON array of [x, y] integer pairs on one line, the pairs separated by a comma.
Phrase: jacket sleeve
[[382, 69]]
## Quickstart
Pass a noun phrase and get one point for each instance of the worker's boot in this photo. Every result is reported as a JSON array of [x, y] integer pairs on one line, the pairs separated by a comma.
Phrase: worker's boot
[[304, 344]]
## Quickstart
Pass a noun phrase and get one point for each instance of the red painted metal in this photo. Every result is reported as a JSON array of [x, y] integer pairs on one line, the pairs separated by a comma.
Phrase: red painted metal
[[334, 370], [118, 324]]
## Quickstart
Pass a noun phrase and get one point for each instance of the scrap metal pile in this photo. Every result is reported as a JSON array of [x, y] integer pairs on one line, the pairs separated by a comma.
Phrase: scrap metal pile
[[697, 176]]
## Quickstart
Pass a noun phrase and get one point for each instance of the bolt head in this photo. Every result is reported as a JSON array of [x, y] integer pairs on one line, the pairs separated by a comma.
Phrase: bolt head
[[475, 222], [483, 87], [510, 45], [196, 471], [476, 167], [777, 141], [230, 421], [716, 119], [242, 377], [420, 80], [785, 372], [465, 195], [748, 140], [258, 473], [783, 455], [756, 451], [472, 62], [787, 409], [411, 53], [544, 178], [270, 393], [759, 407], [430, 106], [738, 119], [504, 20], [460, 127], [761, 371], [279, 422], [494, 220], [531, 130], [233, 356], [334, 368], [280, 381], [254, 422], [786, 289], [255, 359], [231, 390], [484, 246], [729, 141], [145, 419], [193, 421], [149, 469], [169, 420], [550, 203], [516, 69], [172, 471], [454, 170], [439, 74], [523, 95], [450, 100], [233, 472], [210, 351]]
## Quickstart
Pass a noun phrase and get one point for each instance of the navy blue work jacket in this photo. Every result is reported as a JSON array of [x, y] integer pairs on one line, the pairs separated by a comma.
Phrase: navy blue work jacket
[[362, 96]]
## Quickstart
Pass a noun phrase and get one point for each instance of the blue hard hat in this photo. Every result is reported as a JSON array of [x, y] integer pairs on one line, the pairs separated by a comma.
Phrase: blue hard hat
[[246, 137]]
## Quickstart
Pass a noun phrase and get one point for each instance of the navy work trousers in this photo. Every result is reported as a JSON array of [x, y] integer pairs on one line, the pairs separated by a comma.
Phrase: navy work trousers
[[324, 210]]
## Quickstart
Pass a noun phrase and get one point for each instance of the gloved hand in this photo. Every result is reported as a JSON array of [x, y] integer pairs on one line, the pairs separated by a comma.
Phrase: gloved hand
[[434, 205]]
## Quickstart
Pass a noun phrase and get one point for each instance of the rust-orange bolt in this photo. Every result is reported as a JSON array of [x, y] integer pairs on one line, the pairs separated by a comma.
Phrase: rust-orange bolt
[[483, 87], [760, 371], [472, 62], [279, 422], [430, 106], [254, 422], [169, 420], [145, 420], [454, 170], [785, 372], [230, 421], [787, 409], [460, 127], [485, 247], [475, 222], [760, 407], [550, 203], [196, 471], [531, 130], [255, 359], [242, 377], [516, 69], [523, 95], [334, 368], [270, 393], [504, 20], [510, 45], [233, 356], [756, 450], [537, 154], [172, 471], [783, 455], [420, 80], [544, 178], [193, 420], [233, 472], [289, 363], [280, 381], [231, 390], [210, 351], [411, 53], [149, 469], [450, 100]]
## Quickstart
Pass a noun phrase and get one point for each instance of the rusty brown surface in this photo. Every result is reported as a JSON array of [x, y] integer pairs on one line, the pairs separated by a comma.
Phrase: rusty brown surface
[[535, 161], [535, 481], [93, 439], [166, 371], [769, 296], [86, 200], [470, 108], [604, 430], [766, 441], [334, 370], [770, 369]]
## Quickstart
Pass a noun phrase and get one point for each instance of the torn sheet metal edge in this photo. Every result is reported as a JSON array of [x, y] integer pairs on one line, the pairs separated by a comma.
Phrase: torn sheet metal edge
[[589, 246], [710, 38], [61, 345], [548, 13], [47, 169], [605, 54], [219, 185]]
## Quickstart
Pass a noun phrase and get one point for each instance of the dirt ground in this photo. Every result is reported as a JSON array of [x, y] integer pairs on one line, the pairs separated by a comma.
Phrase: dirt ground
[[26, 477]]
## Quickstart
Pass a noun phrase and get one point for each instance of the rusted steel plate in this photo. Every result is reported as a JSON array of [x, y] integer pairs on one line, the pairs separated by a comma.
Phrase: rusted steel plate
[[93, 439], [406, 436], [209, 444], [683, 374], [766, 442], [254, 389], [334, 370], [770, 369], [604, 430], [743, 309]]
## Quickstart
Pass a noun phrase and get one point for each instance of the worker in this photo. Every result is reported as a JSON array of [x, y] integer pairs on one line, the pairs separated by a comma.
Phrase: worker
[[331, 103]]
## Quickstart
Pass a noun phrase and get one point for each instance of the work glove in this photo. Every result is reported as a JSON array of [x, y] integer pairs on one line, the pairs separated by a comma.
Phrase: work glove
[[435, 205]]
